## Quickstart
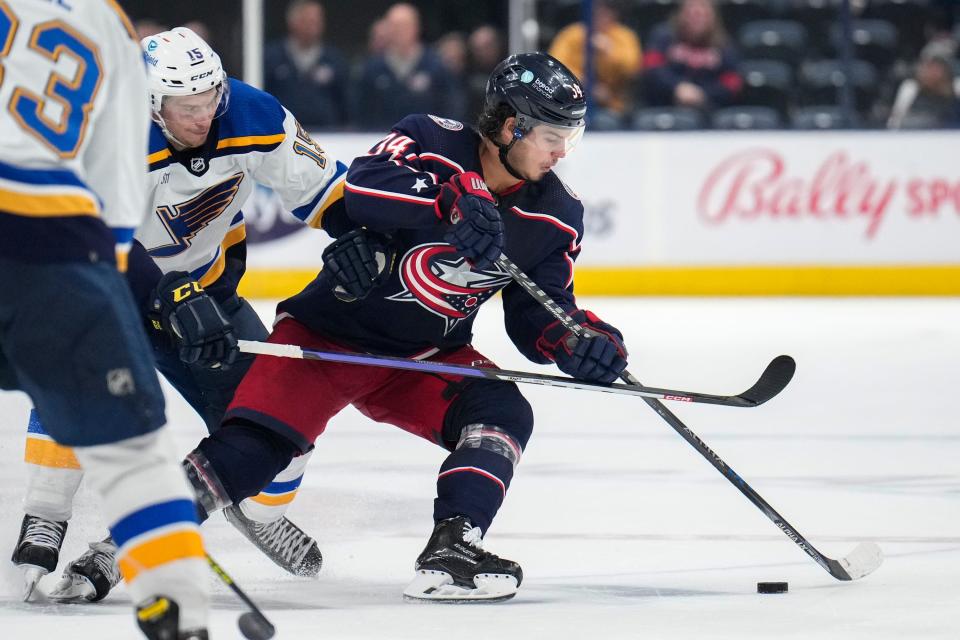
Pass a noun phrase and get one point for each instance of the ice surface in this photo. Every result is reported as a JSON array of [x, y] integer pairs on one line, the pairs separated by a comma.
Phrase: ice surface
[[622, 529]]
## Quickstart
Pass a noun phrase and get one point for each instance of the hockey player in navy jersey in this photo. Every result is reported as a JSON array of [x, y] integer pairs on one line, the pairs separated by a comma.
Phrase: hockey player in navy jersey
[[210, 140], [439, 202]]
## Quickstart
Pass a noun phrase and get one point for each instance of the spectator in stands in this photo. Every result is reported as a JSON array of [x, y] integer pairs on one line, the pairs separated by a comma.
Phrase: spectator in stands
[[690, 62], [304, 73], [486, 50], [452, 49], [377, 37], [929, 99], [617, 59], [406, 78]]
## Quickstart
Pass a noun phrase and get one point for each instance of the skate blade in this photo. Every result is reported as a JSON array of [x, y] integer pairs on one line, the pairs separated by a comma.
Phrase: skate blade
[[31, 577], [73, 589], [308, 566], [438, 586]]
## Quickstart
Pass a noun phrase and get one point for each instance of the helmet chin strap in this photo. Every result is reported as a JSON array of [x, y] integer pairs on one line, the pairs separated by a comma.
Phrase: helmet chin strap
[[504, 149], [166, 132]]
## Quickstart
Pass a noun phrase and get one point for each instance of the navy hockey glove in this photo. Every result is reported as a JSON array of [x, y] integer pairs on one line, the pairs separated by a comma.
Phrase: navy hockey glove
[[360, 261], [475, 227], [194, 321], [599, 358]]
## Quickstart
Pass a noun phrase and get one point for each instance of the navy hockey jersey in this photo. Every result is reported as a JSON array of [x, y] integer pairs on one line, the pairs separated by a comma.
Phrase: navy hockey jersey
[[428, 303]]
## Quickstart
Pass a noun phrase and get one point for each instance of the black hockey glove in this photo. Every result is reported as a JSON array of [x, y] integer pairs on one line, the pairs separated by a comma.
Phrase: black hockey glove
[[202, 334], [475, 227], [599, 358], [360, 261]]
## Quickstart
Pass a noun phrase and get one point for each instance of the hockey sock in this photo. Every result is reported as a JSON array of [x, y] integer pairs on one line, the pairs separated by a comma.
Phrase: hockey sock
[[149, 508], [273, 501], [472, 483], [246, 457], [53, 474]]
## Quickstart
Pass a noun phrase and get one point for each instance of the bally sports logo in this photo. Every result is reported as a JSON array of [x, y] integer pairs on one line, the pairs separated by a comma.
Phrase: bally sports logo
[[765, 184], [442, 282]]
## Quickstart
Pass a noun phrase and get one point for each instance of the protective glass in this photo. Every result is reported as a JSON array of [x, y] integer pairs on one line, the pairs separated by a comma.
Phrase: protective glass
[[551, 138], [197, 108]]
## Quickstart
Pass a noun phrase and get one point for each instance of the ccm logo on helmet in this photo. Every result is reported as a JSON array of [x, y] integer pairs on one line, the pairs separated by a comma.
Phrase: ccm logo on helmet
[[202, 75]]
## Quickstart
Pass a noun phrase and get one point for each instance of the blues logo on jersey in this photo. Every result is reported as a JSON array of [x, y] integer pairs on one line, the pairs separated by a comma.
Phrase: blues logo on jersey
[[185, 220]]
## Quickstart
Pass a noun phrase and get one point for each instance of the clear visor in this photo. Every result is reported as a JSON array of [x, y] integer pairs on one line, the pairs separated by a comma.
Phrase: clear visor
[[550, 138], [199, 107]]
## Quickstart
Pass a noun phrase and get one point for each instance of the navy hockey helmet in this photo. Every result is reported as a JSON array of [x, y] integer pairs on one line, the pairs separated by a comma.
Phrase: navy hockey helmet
[[540, 87], [547, 99]]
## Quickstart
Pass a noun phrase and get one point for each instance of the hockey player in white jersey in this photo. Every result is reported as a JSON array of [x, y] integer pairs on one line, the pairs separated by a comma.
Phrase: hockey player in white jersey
[[211, 139], [72, 191]]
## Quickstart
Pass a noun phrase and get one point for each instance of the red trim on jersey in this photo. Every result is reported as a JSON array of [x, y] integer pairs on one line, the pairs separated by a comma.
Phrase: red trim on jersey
[[485, 474], [574, 246], [554, 221], [388, 195], [511, 189], [442, 160]]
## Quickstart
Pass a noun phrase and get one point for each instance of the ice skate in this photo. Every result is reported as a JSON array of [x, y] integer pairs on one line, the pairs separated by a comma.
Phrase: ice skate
[[90, 577], [282, 541], [454, 568], [38, 550], [159, 619]]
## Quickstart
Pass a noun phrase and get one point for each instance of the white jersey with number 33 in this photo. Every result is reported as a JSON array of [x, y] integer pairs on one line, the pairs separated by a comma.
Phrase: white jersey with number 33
[[71, 81]]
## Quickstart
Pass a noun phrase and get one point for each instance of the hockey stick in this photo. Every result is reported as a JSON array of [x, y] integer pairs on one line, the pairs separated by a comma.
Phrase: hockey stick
[[864, 558], [774, 378], [253, 624]]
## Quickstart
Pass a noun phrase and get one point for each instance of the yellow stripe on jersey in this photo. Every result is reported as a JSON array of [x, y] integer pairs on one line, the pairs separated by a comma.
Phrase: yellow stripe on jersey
[[52, 204], [47, 453], [157, 156], [248, 141], [234, 236], [274, 500], [335, 196], [179, 545]]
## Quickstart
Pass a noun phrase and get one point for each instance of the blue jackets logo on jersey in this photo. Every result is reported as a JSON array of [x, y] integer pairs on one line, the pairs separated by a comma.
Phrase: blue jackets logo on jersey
[[442, 282], [447, 123]]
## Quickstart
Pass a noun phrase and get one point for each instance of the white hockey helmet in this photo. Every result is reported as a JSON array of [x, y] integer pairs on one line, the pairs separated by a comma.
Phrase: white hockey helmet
[[180, 63]]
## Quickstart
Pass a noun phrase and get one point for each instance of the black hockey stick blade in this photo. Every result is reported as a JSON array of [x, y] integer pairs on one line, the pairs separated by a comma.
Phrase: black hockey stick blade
[[772, 381]]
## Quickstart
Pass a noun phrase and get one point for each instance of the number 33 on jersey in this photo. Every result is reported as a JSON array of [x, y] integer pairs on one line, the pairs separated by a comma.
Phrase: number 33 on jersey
[[62, 91]]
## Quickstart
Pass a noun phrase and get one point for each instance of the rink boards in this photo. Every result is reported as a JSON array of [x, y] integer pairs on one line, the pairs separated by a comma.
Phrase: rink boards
[[755, 213]]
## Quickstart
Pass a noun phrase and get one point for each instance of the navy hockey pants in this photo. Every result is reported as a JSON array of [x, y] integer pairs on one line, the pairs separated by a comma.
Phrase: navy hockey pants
[[72, 339]]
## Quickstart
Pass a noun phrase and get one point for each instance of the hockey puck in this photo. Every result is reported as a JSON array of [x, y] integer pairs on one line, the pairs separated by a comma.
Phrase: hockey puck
[[771, 587]]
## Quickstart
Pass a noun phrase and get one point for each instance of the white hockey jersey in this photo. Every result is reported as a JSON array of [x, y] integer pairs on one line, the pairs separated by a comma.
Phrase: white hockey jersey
[[74, 122], [195, 222]]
